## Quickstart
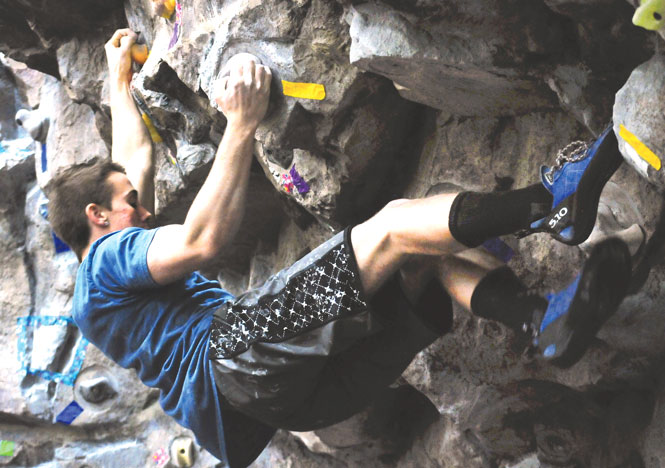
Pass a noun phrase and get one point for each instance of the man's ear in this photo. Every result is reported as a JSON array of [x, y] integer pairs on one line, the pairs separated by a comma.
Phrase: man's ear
[[96, 215]]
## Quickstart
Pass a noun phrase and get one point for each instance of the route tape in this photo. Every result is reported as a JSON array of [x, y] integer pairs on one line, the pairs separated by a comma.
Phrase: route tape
[[304, 90], [642, 150], [69, 414], [26, 326], [154, 134]]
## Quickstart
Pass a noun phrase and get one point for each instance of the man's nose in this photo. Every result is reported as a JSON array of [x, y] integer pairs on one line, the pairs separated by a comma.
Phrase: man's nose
[[146, 215]]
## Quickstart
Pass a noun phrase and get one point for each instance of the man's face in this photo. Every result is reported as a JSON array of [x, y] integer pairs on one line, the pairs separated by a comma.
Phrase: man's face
[[126, 211]]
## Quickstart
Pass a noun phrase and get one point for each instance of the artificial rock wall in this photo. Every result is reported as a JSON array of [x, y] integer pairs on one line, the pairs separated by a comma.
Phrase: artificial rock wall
[[421, 96]]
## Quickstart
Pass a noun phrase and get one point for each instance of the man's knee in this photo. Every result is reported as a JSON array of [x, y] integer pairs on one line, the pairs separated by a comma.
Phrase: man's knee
[[395, 203], [381, 227]]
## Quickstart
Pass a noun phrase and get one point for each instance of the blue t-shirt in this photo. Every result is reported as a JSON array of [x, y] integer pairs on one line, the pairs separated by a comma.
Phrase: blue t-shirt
[[160, 331]]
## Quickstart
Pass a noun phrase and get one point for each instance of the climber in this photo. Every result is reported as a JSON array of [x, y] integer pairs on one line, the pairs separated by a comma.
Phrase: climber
[[322, 338]]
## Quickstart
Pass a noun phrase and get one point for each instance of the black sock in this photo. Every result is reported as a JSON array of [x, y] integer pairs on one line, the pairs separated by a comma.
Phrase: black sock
[[476, 216], [502, 296]]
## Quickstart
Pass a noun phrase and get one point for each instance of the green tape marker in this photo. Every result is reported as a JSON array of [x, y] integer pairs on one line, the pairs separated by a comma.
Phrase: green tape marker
[[6, 448]]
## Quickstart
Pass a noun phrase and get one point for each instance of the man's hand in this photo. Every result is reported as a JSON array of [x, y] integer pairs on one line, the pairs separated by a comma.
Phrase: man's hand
[[243, 95], [118, 56]]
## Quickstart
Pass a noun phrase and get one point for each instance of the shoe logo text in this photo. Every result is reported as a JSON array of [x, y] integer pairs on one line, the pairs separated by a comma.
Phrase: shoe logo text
[[557, 217]]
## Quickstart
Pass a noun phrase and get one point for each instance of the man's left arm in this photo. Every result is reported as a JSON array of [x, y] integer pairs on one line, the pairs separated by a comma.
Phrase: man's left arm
[[131, 145]]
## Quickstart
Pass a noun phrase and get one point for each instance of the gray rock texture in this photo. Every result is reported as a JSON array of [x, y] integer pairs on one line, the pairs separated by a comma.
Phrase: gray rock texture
[[421, 96]]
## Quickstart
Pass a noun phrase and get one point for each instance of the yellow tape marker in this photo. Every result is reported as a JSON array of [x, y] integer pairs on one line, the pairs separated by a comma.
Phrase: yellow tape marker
[[642, 149], [154, 134], [304, 90]]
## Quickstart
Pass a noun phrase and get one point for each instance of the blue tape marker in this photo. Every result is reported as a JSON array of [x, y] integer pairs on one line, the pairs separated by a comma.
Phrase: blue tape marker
[[59, 245], [499, 249], [69, 414], [25, 331], [43, 209], [44, 157]]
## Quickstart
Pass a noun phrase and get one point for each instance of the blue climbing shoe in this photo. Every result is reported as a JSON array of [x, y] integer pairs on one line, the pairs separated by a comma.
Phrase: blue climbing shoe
[[575, 182], [575, 314]]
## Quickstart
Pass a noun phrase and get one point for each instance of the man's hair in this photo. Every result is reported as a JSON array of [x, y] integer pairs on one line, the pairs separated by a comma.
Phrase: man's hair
[[70, 192]]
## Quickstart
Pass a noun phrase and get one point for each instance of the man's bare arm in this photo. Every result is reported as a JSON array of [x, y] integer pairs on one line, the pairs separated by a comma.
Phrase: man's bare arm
[[216, 213], [131, 147]]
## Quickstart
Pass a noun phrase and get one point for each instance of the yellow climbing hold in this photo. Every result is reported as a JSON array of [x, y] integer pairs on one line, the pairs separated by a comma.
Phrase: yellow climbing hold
[[641, 149], [154, 134], [304, 90], [163, 8], [650, 15]]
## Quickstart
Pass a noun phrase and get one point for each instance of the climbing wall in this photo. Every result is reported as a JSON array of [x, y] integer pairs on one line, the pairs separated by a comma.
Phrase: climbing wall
[[370, 101]]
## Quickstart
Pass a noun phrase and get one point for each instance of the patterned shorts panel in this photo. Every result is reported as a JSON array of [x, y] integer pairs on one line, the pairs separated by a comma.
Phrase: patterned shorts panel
[[322, 287]]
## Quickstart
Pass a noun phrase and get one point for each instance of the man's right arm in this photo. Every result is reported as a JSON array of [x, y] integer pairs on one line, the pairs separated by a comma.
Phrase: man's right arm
[[216, 213], [131, 147]]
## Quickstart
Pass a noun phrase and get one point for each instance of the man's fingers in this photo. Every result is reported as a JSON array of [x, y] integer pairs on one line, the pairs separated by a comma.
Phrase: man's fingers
[[127, 41], [248, 73], [118, 35], [265, 77]]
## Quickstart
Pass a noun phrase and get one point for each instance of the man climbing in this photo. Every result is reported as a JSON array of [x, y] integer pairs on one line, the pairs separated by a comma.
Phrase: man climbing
[[322, 338]]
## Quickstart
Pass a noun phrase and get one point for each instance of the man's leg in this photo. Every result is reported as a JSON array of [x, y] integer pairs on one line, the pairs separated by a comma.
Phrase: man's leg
[[440, 225], [563, 323]]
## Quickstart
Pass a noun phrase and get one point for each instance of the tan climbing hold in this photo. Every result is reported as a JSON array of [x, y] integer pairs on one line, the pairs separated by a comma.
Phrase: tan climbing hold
[[182, 452], [237, 59]]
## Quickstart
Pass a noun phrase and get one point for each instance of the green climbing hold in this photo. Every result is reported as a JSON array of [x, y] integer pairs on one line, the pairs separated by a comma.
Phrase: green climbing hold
[[6, 448], [650, 15]]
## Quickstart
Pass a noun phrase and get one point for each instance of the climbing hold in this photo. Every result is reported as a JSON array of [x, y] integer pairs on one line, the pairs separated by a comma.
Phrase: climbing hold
[[287, 182], [640, 148], [241, 57], [139, 53], [182, 452], [163, 8], [304, 90], [161, 457], [69, 414], [6, 448], [34, 123], [97, 390], [650, 15]]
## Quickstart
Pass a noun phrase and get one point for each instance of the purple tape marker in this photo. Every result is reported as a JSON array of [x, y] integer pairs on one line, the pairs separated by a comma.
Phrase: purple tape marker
[[298, 181], [499, 249]]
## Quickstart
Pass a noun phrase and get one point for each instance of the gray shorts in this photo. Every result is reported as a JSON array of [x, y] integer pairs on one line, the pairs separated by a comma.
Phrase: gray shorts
[[308, 349]]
